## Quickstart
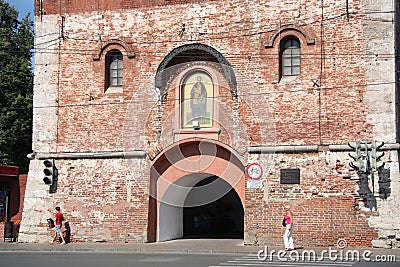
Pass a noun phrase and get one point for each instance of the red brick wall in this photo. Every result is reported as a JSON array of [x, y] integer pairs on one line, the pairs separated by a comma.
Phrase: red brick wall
[[325, 206], [322, 106], [101, 202], [317, 222], [304, 113], [70, 6]]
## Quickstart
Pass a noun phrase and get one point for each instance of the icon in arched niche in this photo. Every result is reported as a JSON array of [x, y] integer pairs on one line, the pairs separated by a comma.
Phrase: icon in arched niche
[[198, 94]]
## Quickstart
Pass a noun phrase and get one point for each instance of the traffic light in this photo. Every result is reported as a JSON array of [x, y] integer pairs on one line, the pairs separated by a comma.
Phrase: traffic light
[[50, 171], [359, 164], [376, 155]]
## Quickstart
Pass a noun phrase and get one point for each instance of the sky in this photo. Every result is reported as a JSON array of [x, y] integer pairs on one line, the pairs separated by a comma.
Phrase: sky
[[22, 6]]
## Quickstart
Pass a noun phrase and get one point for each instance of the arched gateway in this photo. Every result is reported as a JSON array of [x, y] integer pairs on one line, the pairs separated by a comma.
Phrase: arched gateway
[[192, 173]]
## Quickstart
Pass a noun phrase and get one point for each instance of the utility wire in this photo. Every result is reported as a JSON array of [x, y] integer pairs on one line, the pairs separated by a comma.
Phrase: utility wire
[[70, 35], [326, 89]]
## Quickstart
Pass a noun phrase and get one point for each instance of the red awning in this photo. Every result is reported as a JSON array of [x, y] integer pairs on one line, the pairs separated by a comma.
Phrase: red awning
[[9, 171]]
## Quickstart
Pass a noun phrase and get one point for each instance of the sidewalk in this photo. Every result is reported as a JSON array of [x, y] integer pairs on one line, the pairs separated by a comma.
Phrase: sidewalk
[[174, 246], [189, 246]]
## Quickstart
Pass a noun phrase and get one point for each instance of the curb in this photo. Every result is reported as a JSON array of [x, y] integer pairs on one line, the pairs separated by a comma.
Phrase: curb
[[167, 248], [127, 250]]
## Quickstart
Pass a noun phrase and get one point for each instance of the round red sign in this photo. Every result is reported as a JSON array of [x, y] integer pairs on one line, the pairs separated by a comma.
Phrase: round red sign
[[254, 171]]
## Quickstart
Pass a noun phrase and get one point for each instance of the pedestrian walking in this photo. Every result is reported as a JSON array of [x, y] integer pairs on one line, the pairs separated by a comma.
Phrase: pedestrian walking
[[288, 235], [59, 218]]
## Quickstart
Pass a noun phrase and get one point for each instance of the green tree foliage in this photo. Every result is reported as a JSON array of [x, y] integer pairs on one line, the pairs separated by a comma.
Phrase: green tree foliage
[[16, 87]]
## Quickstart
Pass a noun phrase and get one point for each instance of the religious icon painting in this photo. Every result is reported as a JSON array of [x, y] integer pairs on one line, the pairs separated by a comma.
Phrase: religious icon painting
[[198, 99]]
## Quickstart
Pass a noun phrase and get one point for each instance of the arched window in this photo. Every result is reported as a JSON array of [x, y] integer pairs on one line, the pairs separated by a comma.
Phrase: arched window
[[290, 57], [114, 63]]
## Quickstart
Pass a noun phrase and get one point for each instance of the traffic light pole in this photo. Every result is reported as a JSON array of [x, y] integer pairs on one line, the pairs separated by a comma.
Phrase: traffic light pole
[[51, 174], [367, 163], [358, 163]]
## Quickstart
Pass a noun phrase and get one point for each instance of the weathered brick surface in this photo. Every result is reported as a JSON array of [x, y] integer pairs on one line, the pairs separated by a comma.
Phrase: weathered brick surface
[[331, 102], [106, 206], [325, 204]]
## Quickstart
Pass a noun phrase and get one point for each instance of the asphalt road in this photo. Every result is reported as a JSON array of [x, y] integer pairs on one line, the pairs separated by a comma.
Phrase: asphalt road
[[95, 259], [76, 259]]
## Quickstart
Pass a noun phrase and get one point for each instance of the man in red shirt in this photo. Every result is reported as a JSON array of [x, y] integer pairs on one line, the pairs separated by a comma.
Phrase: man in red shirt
[[59, 218]]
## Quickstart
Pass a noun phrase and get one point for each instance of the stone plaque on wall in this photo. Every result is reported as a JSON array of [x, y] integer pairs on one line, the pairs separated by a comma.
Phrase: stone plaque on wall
[[254, 184], [290, 176]]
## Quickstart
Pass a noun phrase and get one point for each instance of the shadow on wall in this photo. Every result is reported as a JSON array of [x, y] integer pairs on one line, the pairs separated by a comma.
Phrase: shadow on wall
[[66, 230], [367, 185]]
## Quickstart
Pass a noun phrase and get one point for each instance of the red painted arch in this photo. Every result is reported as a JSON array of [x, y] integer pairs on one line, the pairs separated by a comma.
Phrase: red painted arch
[[192, 156]]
